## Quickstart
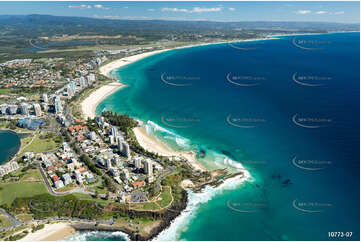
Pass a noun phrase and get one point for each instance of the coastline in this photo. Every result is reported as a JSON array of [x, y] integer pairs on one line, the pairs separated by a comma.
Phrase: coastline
[[90, 103], [51, 232], [152, 144]]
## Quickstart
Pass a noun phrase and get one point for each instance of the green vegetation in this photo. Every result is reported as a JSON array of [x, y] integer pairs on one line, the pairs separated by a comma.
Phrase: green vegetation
[[145, 206], [17, 236], [10, 192], [43, 143], [166, 197], [84, 158], [38, 227], [124, 122], [4, 221]]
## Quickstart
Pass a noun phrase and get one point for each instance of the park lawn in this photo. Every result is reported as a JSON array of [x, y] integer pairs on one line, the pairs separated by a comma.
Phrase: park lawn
[[145, 206], [4, 221], [31, 175], [41, 145], [166, 197], [8, 192]]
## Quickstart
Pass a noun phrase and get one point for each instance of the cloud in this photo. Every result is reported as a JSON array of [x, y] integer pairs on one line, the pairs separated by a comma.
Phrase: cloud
[[100, 7], [83, 6], [175, 10], [303, 12], [151, 9], [194, 10], [321, 12], [231, 9], [201, 10]]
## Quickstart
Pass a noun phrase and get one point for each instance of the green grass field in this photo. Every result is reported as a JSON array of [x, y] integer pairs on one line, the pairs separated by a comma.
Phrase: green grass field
[[41, 145], [8, 192], [166, 196]]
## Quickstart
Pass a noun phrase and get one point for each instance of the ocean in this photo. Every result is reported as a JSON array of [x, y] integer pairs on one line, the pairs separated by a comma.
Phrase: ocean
[[286, 108], [10, 147]]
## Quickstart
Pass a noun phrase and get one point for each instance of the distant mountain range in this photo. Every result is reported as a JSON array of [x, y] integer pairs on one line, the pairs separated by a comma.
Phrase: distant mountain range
[[31, 26]]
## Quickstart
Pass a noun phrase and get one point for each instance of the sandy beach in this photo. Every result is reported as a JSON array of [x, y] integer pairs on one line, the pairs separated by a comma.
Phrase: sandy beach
[[151, 144], [51, 232], [89, 104]]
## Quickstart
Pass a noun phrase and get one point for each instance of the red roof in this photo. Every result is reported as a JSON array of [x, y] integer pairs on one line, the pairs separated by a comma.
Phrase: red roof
[[55, 178], [138, 184]]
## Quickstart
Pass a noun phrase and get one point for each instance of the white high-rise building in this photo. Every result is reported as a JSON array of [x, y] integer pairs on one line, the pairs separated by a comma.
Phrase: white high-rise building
[[126, 149], [114, 131], [4, 108], [58, 105], [120, 143], [138, 162], [24, 108], [72, 86], [69, 90], [45, 107], [37, 109], [108, 163], [91, 78], [148, 167], [45, 98], [111, 139], [13, 109]]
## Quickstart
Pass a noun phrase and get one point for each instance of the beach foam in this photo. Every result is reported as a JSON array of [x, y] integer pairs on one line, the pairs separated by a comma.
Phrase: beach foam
[[96, 235], [195, 200]]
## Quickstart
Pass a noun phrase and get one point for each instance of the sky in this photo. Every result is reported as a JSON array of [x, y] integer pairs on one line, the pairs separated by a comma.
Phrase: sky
[[342, 12]]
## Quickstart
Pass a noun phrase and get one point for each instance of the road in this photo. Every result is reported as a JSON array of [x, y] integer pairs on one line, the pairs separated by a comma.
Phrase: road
[[14, 221]]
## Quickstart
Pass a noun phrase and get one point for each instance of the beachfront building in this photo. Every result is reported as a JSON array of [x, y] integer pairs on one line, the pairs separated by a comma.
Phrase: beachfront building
[[148, 169], [125, 149], [91, 78], [114, 131], [138, 162]]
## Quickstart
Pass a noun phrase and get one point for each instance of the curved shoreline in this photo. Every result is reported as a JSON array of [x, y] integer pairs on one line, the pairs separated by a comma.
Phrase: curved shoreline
[[18, 149], [143, 137]]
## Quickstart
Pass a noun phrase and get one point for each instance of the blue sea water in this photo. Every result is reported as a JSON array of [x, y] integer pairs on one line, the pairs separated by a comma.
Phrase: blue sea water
[[286, 108], [9, 145]]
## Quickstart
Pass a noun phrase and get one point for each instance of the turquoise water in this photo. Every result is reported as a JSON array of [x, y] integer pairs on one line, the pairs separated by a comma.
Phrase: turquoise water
[[286, 108], [9, 145]]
